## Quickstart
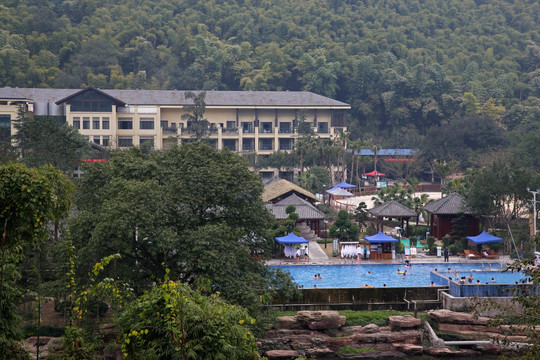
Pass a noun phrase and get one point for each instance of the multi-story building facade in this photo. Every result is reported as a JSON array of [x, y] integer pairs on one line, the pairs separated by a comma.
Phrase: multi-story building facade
[[255, 121]]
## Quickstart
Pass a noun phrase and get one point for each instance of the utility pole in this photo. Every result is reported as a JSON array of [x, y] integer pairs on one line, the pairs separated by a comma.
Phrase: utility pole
[[534, 213]]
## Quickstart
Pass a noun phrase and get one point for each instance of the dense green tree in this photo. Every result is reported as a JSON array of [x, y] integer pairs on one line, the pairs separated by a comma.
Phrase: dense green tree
[[43, 140], [343, 228], [171, 321], [194, 114], [29, 199], [202, 217]]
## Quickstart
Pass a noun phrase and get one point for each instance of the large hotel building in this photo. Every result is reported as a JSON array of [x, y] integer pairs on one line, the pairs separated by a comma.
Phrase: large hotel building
[[244, 121]]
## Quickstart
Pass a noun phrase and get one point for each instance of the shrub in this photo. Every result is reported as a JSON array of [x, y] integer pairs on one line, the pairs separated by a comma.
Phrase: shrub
[[454, 249]]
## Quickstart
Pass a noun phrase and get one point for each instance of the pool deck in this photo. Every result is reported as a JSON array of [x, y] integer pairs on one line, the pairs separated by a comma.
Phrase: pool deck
[[503, 259]]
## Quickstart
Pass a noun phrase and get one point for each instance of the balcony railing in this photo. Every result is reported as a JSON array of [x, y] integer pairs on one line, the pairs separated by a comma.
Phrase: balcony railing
[[285, 131], [169, 130], [229, 131]]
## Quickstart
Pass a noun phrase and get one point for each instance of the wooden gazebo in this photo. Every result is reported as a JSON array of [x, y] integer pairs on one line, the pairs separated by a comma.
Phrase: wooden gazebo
[[443, 211], [393, 209]]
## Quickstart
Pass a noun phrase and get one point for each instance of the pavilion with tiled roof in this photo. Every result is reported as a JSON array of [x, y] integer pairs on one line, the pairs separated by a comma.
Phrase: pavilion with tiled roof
[[393, 209], [443, 211]]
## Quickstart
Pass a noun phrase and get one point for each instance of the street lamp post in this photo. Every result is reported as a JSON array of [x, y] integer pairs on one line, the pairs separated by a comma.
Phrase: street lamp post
[[534, 213]]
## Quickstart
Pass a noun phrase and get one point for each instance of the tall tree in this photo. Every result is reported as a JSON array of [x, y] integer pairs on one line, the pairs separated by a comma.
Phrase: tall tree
[[42, 140], [202, 218], [194, 114]]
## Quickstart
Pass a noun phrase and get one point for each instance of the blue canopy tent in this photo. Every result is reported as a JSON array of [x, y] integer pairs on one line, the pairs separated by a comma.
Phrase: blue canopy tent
[[344, 185], [380, 246], [290, 241], [380, 238], [484, 238], [339, 192]]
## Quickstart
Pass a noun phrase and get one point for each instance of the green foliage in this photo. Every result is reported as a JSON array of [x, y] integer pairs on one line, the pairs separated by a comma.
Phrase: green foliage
[[29, 199], [43, 140], [430, 243], [455, 249], [77, 345], [343, 228], [363, 318], [174, 322], [203, 218]]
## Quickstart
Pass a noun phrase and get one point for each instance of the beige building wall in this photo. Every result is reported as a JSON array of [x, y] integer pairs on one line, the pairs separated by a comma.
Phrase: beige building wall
[[263, 130]]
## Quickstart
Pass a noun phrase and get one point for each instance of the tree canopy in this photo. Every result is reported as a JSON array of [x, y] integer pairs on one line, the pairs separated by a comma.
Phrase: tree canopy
[[193, 209]]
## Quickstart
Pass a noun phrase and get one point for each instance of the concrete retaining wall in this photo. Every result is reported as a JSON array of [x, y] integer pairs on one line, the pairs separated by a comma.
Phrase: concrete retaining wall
[[359, 299]]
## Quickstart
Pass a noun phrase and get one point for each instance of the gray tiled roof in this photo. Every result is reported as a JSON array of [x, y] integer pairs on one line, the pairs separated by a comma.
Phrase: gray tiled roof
[[451, 204], [176, 97], [392, 209], [304, 209]]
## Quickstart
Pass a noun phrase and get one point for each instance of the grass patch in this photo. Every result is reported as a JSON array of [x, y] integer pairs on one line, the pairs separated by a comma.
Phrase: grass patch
[[363, 318], [350, 350]]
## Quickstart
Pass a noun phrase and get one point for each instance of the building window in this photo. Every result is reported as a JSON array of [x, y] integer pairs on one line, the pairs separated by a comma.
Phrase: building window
[[125, 141], [91, 101], [86, 123], [285, 127], [229, 144], [164, 123], [5, 127], [266, 144], [105, 123], [125, 123], [248, 144], [77, 122], [95, 123], [105, 141], [266, 127], [146, 140], [247, 128], [96, 140], [231, 124], [285, 144], [322, 128], [146, 124]]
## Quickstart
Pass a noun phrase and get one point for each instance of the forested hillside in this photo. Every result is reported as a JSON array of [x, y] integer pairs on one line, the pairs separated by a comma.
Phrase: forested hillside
[[405, 66]]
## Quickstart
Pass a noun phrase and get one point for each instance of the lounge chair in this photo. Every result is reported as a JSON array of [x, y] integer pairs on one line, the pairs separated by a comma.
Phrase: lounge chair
[[469, 255], [490, 254]]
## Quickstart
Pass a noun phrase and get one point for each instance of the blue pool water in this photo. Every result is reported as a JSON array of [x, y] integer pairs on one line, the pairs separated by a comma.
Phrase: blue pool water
[[351, 276]]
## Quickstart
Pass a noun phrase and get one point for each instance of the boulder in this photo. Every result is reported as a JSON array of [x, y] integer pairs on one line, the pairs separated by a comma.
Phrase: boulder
[[370, 329], [319, 353], [398, 323], [349, 330], [288, 322], [405, 336], [320, 320], [452, 317], [409, 349], [282, 354]]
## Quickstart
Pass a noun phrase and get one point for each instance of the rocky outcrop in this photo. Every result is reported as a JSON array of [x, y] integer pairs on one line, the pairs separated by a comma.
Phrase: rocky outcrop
[[451, 317], [398, 323], [320, 320], [308, 333]]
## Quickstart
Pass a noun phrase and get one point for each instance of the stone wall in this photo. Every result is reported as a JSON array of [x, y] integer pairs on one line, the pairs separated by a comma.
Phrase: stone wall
[[358, 298]]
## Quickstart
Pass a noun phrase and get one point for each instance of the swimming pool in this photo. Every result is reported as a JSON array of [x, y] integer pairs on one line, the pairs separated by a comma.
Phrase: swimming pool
[[375, 275]]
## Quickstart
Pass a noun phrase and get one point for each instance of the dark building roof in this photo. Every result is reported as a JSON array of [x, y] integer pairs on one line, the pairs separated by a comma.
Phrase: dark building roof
[[392, 209], [261, 99], [449, 205], [304, 209], [280, 189]]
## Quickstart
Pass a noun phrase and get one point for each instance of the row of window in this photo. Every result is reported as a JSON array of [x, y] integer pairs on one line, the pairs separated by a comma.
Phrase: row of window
[[104, 123], [97, 123], [125, 123], [249, 144]]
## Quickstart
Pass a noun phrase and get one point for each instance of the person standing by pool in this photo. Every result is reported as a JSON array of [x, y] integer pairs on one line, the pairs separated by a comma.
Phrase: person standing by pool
[[446, 254]]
